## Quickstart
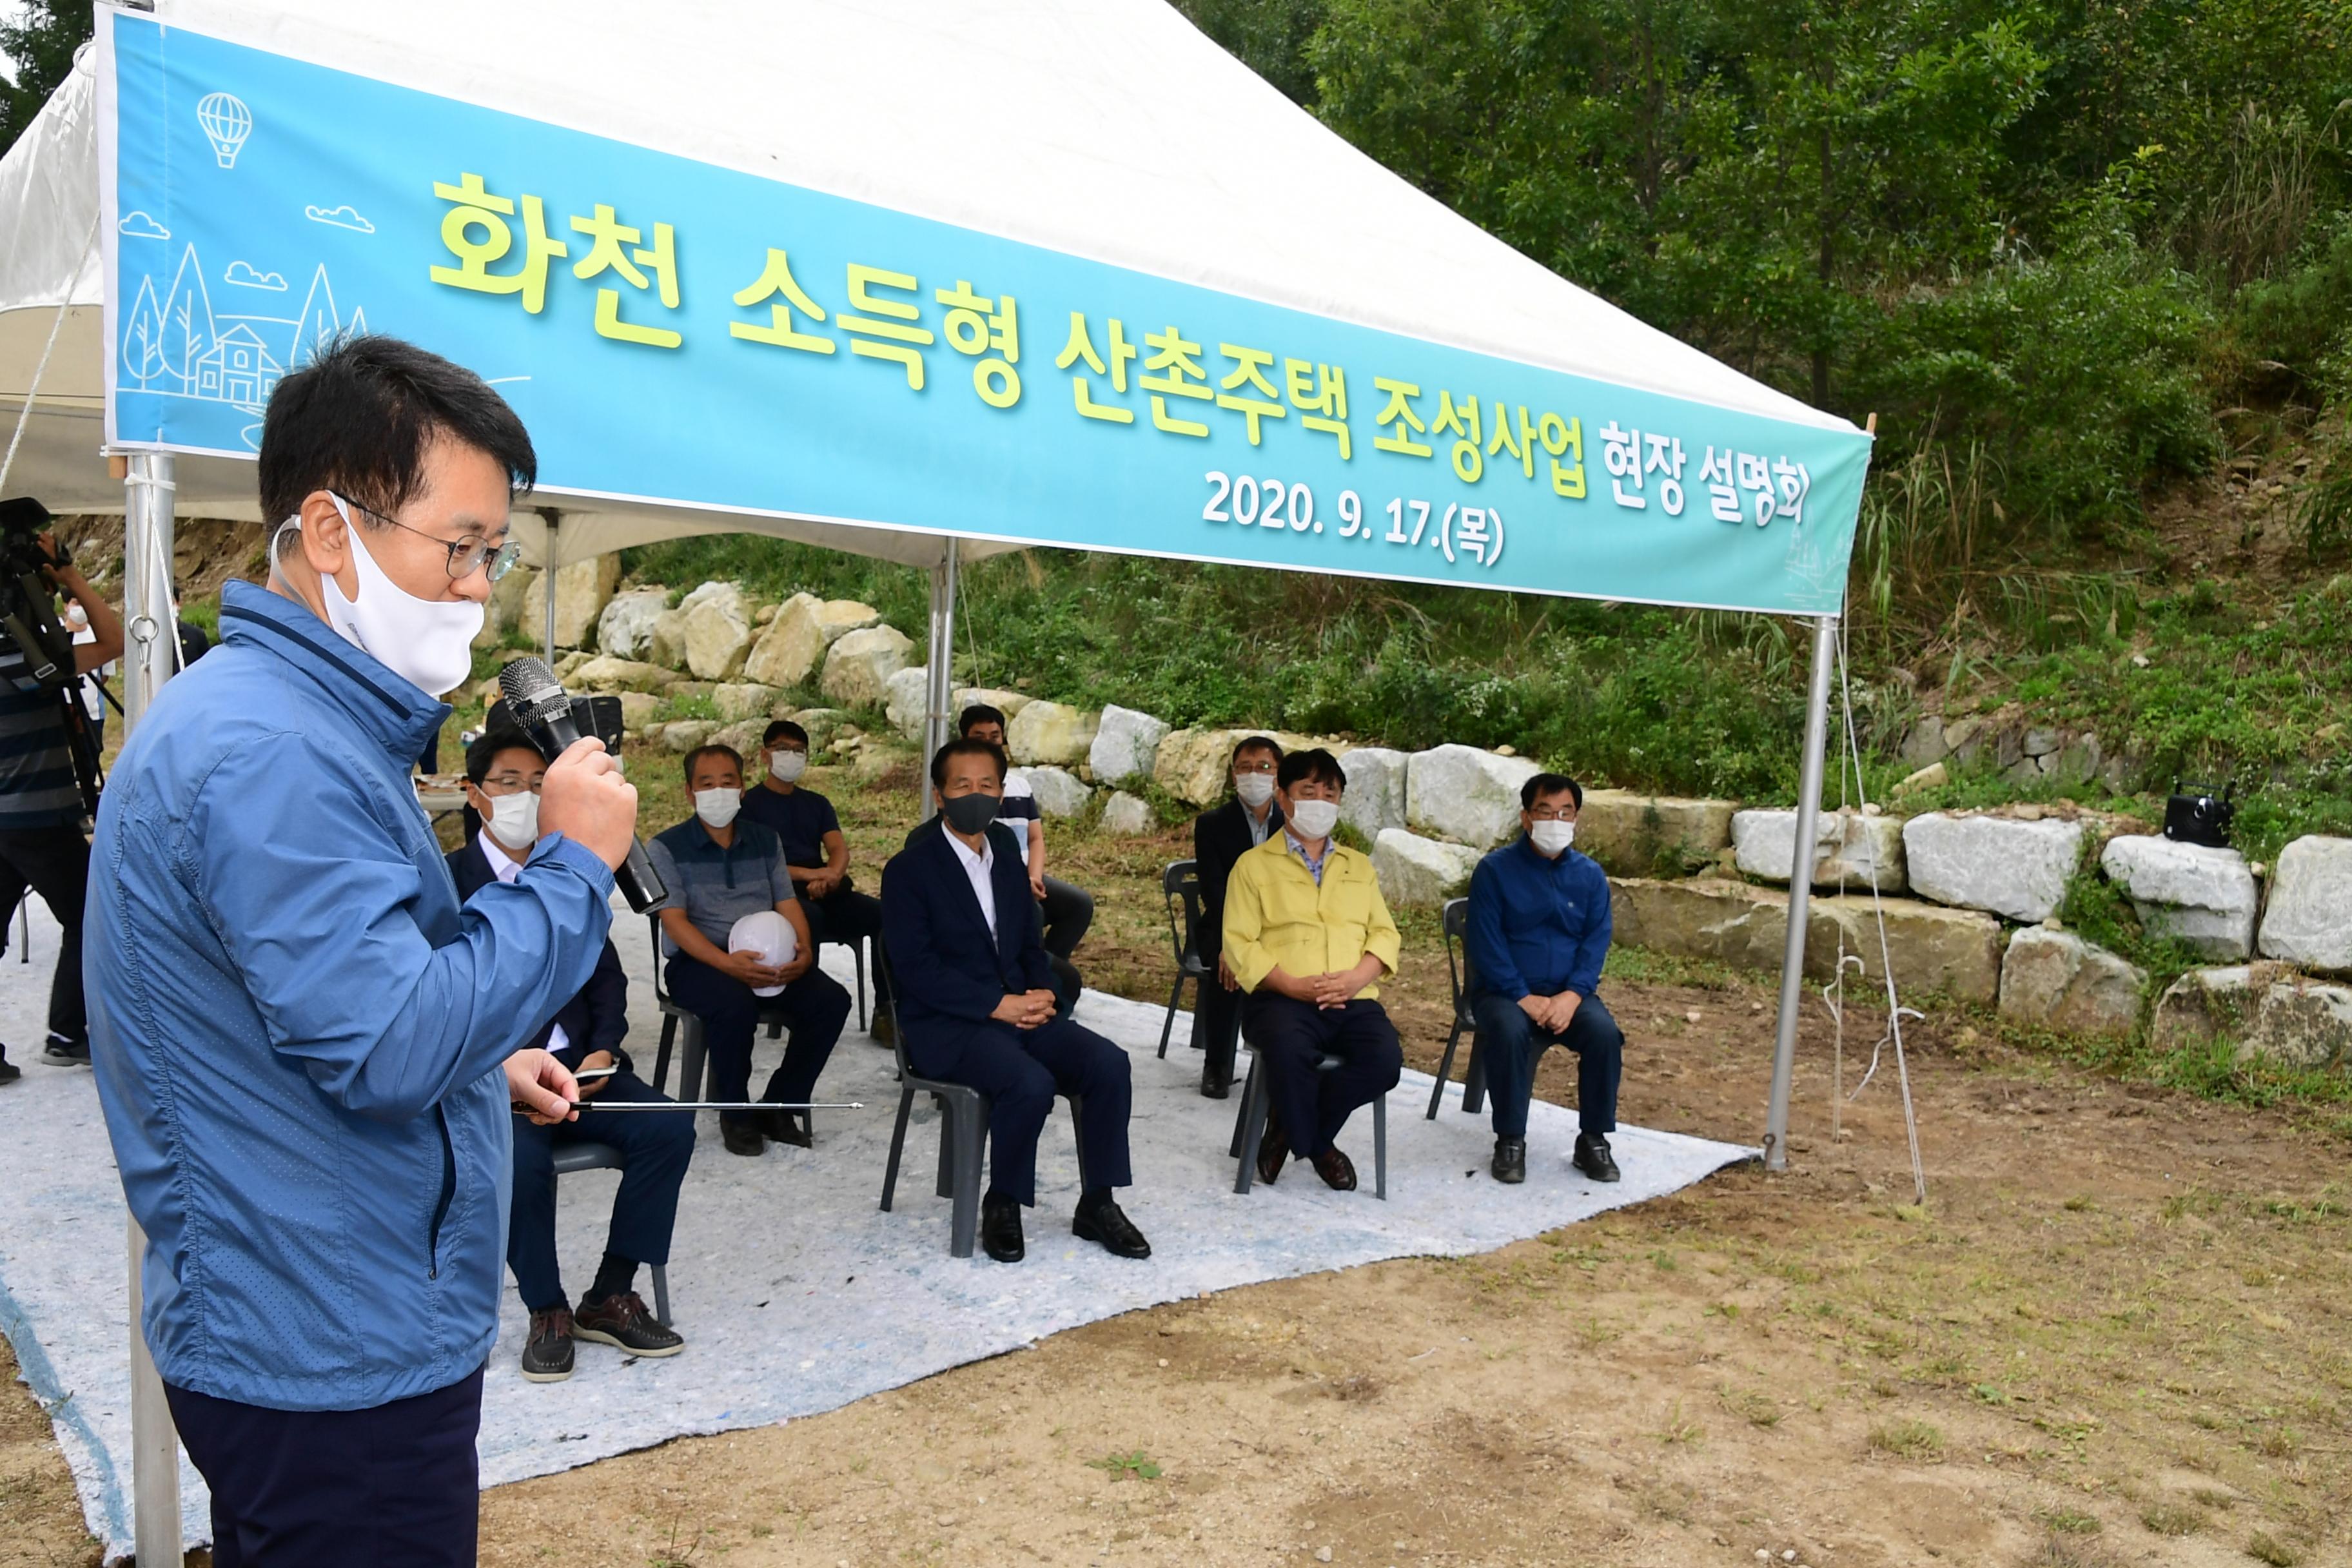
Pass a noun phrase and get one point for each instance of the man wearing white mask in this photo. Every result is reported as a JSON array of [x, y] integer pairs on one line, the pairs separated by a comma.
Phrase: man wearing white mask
[[1309, 937], [306, 1045], [719, 867], [1219, 837], [504, 774], [1538, 930], [816, 854]]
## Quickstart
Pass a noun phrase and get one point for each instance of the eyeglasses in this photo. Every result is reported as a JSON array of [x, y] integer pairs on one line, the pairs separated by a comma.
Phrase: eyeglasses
[[1262, 765], [1552, 814], [507, 784], [467, 556]]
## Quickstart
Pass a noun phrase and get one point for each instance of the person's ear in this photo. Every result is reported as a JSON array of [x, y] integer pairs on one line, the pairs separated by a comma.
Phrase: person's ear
[[326, 542]]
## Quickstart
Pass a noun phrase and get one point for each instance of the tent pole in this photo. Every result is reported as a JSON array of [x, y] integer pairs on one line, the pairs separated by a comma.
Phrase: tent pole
[[939, 692], [153, 641], [547, 581], [1801, 887]]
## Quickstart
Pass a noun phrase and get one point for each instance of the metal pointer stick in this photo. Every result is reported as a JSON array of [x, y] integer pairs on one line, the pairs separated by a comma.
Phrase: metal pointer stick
[[702, 1105]]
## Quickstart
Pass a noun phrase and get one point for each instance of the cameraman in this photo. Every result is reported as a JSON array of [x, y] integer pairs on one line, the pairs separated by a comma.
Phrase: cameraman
[[41, 844], [305, 1045]]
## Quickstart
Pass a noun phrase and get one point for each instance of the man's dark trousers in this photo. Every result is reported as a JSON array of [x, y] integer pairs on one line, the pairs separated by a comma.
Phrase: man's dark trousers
[[1021, 1071], [814, 1007], [1289, 1035], [1510, 1046], [1220, 1025], [655, 1150], [55, 863], [848, 917], [393, 1486]]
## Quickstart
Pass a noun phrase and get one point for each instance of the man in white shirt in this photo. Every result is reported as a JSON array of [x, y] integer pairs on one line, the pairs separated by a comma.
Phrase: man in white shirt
[[503, 771], [1068, 908]]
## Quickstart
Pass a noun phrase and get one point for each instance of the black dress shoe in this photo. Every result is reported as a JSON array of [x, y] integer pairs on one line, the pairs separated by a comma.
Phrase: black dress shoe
[[1510, 1160], [1000, 1228], [1273, 1148], [1217, 1083], [741, 1138], [885, 1031], [788, 1127], [1107, 1223], [1339, 1172], [1592, 1157]]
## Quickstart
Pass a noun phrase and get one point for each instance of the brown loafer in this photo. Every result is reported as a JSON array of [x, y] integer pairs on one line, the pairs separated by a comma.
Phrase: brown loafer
[[1339, 1172], [1273, 1148]]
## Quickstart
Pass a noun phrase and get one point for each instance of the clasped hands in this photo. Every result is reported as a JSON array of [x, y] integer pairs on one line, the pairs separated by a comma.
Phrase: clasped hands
[[1025, 1009], [1552, 1012], [746, 967], [1326, 991]]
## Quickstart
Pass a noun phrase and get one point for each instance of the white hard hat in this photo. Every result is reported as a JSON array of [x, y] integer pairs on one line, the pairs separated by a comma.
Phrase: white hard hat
[[768, 934]]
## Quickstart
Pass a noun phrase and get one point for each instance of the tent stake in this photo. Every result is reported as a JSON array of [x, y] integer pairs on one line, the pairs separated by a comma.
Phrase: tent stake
[[1801, 887]]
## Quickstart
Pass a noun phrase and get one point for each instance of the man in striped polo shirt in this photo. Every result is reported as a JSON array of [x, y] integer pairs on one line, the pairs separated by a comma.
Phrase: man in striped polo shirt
[[41, 842]]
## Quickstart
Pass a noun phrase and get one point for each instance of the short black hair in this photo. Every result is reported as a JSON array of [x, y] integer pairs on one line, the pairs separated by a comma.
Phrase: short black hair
[[699, 752], [964, 746], [1255, 743], [979, 714], [357, 420], [1315, 764], [783, 730], [498, 738], [1542, 784]]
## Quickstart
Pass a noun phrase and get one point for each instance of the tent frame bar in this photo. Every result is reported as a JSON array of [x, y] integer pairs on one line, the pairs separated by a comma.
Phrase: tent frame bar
[[1801, 889], [938, 684]]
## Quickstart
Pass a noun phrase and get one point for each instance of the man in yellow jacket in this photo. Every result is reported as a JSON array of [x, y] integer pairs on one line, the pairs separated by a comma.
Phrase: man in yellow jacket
[[1307, 936]]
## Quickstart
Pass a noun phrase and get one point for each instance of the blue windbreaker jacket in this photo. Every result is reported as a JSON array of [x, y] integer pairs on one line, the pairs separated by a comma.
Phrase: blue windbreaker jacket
[[297, 1029]]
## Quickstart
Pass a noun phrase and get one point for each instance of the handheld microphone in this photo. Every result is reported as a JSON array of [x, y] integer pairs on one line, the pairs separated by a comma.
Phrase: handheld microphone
[[538, 701]]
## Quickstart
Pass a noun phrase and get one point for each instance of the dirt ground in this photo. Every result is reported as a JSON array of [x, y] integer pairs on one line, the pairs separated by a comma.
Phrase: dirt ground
[[2116, 1333]]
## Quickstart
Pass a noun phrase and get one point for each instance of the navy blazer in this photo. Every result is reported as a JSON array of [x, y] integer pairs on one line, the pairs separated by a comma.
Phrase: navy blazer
[[1219, 837], [945, 966], [597, 1017]]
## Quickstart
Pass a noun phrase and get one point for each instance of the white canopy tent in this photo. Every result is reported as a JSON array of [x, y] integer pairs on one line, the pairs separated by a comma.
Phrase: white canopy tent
[[1105, 129]]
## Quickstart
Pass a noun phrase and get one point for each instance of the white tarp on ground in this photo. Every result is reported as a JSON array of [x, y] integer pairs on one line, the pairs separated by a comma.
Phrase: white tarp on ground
[[1110, 130], [795, 1294]]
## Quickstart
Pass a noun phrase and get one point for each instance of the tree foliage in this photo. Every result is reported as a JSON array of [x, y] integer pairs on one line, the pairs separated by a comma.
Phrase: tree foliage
[[39, 46]]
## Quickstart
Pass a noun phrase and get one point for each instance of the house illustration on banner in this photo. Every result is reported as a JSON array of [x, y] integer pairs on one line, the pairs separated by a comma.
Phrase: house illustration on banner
[[176, 344]]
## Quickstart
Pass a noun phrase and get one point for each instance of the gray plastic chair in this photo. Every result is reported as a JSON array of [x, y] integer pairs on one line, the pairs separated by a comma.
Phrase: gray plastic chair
[[1458, 974], [1257, 1105], [963, 1133], [674, 1014], [1179, 886], [572, 1158]]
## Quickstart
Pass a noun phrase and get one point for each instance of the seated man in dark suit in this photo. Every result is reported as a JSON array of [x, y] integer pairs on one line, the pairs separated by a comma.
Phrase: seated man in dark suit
[[816, 853], [1219, 837], [718, 869], [976, 1006], [503, 770], [1068, 908], [1539, 931]]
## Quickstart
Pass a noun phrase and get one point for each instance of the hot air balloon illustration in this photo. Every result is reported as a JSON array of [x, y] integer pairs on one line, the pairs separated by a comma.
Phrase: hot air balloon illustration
[[226, 123]]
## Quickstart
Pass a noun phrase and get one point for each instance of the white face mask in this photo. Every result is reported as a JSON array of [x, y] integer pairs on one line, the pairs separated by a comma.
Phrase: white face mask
[[514, 818], [1551, 840], [426, 642], [786, 767], [717, 807], [1314, 818], [1254, 789]]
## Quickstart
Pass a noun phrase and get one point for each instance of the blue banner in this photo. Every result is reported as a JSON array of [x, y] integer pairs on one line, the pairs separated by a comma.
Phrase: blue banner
[[679, 333]]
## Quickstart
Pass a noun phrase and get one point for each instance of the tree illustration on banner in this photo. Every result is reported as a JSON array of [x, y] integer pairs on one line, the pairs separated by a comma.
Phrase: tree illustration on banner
[[188, 330], [321, 323], [143, 337]]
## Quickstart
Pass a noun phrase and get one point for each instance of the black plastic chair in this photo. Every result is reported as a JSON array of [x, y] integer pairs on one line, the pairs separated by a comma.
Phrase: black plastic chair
[[1458, 974], [963, 1133], [1179, 886], [1257, 1105], [857, 954], [577, 1157]]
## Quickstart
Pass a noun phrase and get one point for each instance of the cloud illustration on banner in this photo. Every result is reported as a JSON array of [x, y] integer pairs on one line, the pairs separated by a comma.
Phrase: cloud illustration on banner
[[339, 217], [242, 273], [139, 225]]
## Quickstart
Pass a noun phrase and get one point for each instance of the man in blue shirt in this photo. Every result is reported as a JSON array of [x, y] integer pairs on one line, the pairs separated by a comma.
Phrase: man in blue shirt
[[1538, 930]]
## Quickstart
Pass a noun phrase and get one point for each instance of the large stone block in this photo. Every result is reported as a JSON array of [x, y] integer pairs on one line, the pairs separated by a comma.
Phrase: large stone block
[[906, 697], [1196, 765], [504, 612], [1636, 835], [1955, 952], [1850, 848], [605, 673], [2056, 980], [1420, 873], [626, 629], [684, 734], [2265, 1008], [1125, 743], [1008, 703], [714, 630], [1373, 801], [2003, 864], [666, 645], [1465, 794], [1050, 733], [638, 711], [2308, 920], [821, 724], [1128, 816], [1058, 791], [859, 665], [581, 590], [788, 649], [739, 700], [2204, 895]]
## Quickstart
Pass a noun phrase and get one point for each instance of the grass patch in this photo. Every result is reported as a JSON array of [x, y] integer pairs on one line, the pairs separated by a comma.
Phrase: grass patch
[[2070, 1521], [1918, 1442], [2167, 1518], [1138, 1464], [2264, 1547], [1752, 1406]]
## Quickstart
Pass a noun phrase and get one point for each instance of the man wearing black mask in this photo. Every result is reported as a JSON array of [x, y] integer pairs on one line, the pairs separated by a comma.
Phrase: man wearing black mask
[[976, 1006]]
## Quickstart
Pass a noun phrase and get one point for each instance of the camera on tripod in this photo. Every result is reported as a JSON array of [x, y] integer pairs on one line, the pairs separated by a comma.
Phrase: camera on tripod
[[36, 648]]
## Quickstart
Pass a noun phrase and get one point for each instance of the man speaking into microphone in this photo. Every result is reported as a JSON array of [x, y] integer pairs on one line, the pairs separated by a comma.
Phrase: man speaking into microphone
[[305, 1046]]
